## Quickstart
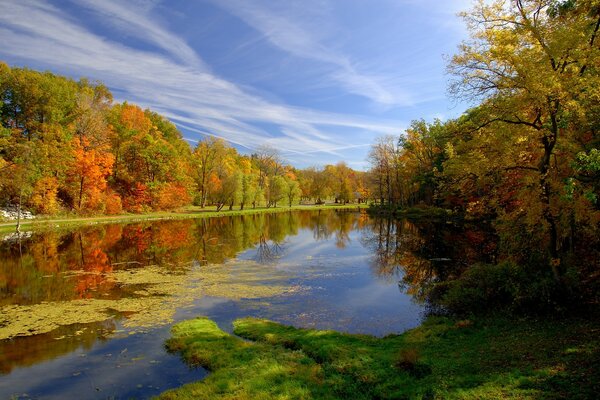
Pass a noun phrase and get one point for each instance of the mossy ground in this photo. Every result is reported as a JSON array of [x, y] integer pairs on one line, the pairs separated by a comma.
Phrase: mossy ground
[[493, 358]]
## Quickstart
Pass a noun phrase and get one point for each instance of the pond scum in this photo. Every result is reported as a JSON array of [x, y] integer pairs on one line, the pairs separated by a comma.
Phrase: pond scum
[[157, 294], [493, 358]]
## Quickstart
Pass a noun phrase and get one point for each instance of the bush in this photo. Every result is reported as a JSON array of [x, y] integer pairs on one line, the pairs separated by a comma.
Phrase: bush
[[485, 288], [409, 360]]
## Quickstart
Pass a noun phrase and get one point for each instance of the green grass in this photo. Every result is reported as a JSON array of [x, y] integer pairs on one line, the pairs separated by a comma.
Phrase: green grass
[[185, 213], [493, 358]]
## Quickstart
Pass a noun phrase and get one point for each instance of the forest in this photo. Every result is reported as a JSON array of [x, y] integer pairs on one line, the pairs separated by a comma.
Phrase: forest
[[66, 147]]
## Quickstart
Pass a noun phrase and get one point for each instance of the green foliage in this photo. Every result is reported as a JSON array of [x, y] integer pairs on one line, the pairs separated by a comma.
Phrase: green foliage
[[278, 188], [292, 192], [488, 359], [485, 288]]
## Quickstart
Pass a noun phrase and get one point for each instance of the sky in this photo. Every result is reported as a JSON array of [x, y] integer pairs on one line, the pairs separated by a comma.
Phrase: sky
[[319, 80]]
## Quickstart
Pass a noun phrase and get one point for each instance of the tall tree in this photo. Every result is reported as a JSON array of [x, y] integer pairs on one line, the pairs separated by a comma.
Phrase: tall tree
[[530, 60], [207, 156]]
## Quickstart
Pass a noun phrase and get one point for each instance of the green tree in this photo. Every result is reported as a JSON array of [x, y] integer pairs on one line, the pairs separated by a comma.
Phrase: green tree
[[206, 157], [292, 190], [278, 188], [249, 188]]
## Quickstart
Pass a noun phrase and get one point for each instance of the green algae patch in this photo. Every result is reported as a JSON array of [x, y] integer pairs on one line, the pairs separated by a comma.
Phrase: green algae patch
[[156, 294], [493, 358]]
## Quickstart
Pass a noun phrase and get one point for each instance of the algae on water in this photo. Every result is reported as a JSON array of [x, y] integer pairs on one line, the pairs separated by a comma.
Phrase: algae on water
[[158, 293]]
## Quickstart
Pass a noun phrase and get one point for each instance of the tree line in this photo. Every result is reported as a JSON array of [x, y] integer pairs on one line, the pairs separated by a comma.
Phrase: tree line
[[65, 146], [525, 156]]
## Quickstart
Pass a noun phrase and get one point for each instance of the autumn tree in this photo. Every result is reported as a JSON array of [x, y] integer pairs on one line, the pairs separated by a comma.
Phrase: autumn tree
[[151, 159], [206, 157], [88, 173], [533, 63], [382, 158], [269, 164]]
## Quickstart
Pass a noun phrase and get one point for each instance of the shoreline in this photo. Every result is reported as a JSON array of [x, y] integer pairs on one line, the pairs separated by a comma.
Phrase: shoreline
[[486, 357], [188, 213]]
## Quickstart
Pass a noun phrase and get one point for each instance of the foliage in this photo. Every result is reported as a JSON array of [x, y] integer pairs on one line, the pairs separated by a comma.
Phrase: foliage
[[526, 156], [64, 146], [486, 288]]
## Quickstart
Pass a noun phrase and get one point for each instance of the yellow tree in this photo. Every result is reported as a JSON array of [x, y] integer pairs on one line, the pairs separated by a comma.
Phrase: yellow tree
[[206, 158], [530, 61]]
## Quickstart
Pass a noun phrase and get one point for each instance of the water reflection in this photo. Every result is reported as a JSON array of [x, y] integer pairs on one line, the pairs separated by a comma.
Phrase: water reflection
[[37, 269], [64, 339], [428, 251], [118, 287]]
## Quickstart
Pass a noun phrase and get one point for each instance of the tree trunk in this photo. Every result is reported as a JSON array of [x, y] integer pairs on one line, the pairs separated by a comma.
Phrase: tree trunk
[[19, 213], [545, 194], [80, 193]]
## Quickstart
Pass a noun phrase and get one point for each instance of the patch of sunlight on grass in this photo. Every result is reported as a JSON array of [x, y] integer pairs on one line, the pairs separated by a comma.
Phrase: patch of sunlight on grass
[[440, 359]]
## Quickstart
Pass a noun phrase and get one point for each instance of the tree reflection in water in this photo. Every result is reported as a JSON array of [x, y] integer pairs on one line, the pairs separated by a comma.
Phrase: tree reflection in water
[[421, 253], [54, 265], [82, 265]]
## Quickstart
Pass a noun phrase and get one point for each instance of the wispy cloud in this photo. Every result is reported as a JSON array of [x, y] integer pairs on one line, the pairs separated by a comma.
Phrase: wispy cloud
[[175, 81], [136, 23], [291, 30]]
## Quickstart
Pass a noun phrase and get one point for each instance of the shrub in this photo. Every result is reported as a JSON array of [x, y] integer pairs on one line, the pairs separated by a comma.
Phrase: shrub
[[485, 288], [409, 360]]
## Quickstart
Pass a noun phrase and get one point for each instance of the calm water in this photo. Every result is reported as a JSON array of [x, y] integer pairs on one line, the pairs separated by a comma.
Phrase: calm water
[[85, 313]]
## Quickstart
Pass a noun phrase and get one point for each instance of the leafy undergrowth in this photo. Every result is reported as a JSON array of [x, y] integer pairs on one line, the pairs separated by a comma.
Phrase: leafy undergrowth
[[486, 359]]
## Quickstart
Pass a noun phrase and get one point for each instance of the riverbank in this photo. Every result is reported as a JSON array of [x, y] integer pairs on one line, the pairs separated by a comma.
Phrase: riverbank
[[186, 213], [488, 358], [419, 212]]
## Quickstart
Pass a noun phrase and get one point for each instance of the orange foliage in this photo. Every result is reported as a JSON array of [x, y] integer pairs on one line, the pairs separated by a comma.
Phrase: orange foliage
[[45, 253], [290, 174], [134, 118], [139, 199], [139, 237], [96, 263], [173, 236], [112, 203], [89, 169], [171, 195], [214, 183]]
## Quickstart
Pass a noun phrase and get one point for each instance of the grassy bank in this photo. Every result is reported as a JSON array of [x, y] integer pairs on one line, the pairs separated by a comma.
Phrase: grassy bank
[[189, 212], [447, 359], [420, 212]]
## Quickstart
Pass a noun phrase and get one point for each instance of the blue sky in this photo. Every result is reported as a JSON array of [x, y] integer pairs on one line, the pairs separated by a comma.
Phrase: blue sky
[[317, 79]]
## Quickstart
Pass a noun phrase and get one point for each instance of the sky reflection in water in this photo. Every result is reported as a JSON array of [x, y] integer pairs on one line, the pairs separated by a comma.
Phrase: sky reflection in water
[[327, 270]]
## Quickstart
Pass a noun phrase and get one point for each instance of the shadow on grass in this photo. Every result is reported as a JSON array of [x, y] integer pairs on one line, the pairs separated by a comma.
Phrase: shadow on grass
[[489, 359]]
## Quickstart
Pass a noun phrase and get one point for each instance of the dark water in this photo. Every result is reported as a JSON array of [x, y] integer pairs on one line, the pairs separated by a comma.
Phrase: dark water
[[85, 313]]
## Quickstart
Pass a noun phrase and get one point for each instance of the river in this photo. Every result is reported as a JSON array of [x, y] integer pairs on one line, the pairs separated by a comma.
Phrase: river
[[84, 313]]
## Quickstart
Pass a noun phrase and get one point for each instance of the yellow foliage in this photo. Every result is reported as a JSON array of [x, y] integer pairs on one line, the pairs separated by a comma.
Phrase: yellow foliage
[[43, 199]]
